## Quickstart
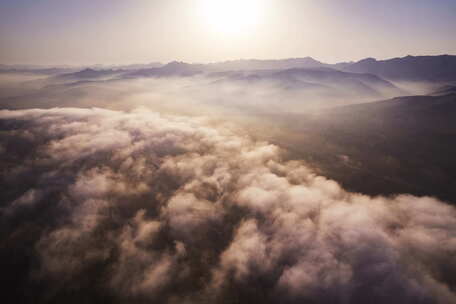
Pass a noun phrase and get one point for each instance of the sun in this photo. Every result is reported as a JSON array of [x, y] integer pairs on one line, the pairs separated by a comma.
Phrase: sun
[[231, 16]]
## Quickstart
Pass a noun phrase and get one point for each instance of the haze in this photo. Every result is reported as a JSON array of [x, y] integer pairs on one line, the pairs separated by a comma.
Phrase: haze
[[84, 32], [144, 158]]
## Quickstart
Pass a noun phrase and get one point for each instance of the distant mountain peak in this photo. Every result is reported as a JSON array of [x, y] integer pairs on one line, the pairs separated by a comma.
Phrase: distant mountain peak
[[416, 68], [176, 66], [368, 60], [87, 70], [266, 64], [176, 63]]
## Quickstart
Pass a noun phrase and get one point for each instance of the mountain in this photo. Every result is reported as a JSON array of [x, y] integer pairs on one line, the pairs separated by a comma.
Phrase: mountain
[[326, 80], [412, 68], [440, 68], [402, 145], [90, 74], [444, 90], [340, 65], [23, 69], [256, 64], [139, 66], [175, 68], [367, 82]]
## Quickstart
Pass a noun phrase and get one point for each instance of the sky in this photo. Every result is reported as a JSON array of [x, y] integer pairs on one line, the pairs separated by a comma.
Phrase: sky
[[54, 32]]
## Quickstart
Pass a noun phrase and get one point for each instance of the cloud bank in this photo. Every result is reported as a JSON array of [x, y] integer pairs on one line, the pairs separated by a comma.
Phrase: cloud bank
[[107, 206]]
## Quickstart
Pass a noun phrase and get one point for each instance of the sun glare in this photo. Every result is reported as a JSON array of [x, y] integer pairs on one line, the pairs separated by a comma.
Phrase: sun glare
[[231, 16]]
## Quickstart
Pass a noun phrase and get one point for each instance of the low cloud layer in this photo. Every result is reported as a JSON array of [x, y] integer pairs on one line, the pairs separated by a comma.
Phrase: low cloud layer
[[106, 206], [239, 92]]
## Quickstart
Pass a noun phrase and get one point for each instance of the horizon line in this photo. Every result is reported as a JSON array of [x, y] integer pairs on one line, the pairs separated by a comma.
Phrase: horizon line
[[64, 65]]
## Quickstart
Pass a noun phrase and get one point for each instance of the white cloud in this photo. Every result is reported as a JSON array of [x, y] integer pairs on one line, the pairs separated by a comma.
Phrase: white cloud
[[167, 208]]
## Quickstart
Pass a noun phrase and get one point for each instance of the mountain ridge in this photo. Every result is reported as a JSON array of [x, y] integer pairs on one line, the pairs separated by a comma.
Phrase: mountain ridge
[[431, 68]]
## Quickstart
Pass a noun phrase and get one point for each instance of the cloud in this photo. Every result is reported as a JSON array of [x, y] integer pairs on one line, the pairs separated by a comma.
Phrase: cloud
[[135, 206]]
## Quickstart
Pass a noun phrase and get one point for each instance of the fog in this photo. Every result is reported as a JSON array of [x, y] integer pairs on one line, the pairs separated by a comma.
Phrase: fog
[[254, 92], [196, 190], [138, 206]]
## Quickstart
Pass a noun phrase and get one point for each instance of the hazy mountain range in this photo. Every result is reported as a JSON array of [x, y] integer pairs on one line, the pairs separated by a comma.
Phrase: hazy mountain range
[[415, 68], [419, 68], [309, 101], [242, 181], [402, 145]]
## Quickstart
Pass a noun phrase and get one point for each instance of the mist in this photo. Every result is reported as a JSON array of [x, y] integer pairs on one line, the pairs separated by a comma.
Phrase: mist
[[186, 184], [144, 207], [227, 152], [253, 92]]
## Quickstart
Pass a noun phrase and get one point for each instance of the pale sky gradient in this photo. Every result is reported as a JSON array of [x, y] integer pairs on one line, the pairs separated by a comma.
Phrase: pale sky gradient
[[139, 31]]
